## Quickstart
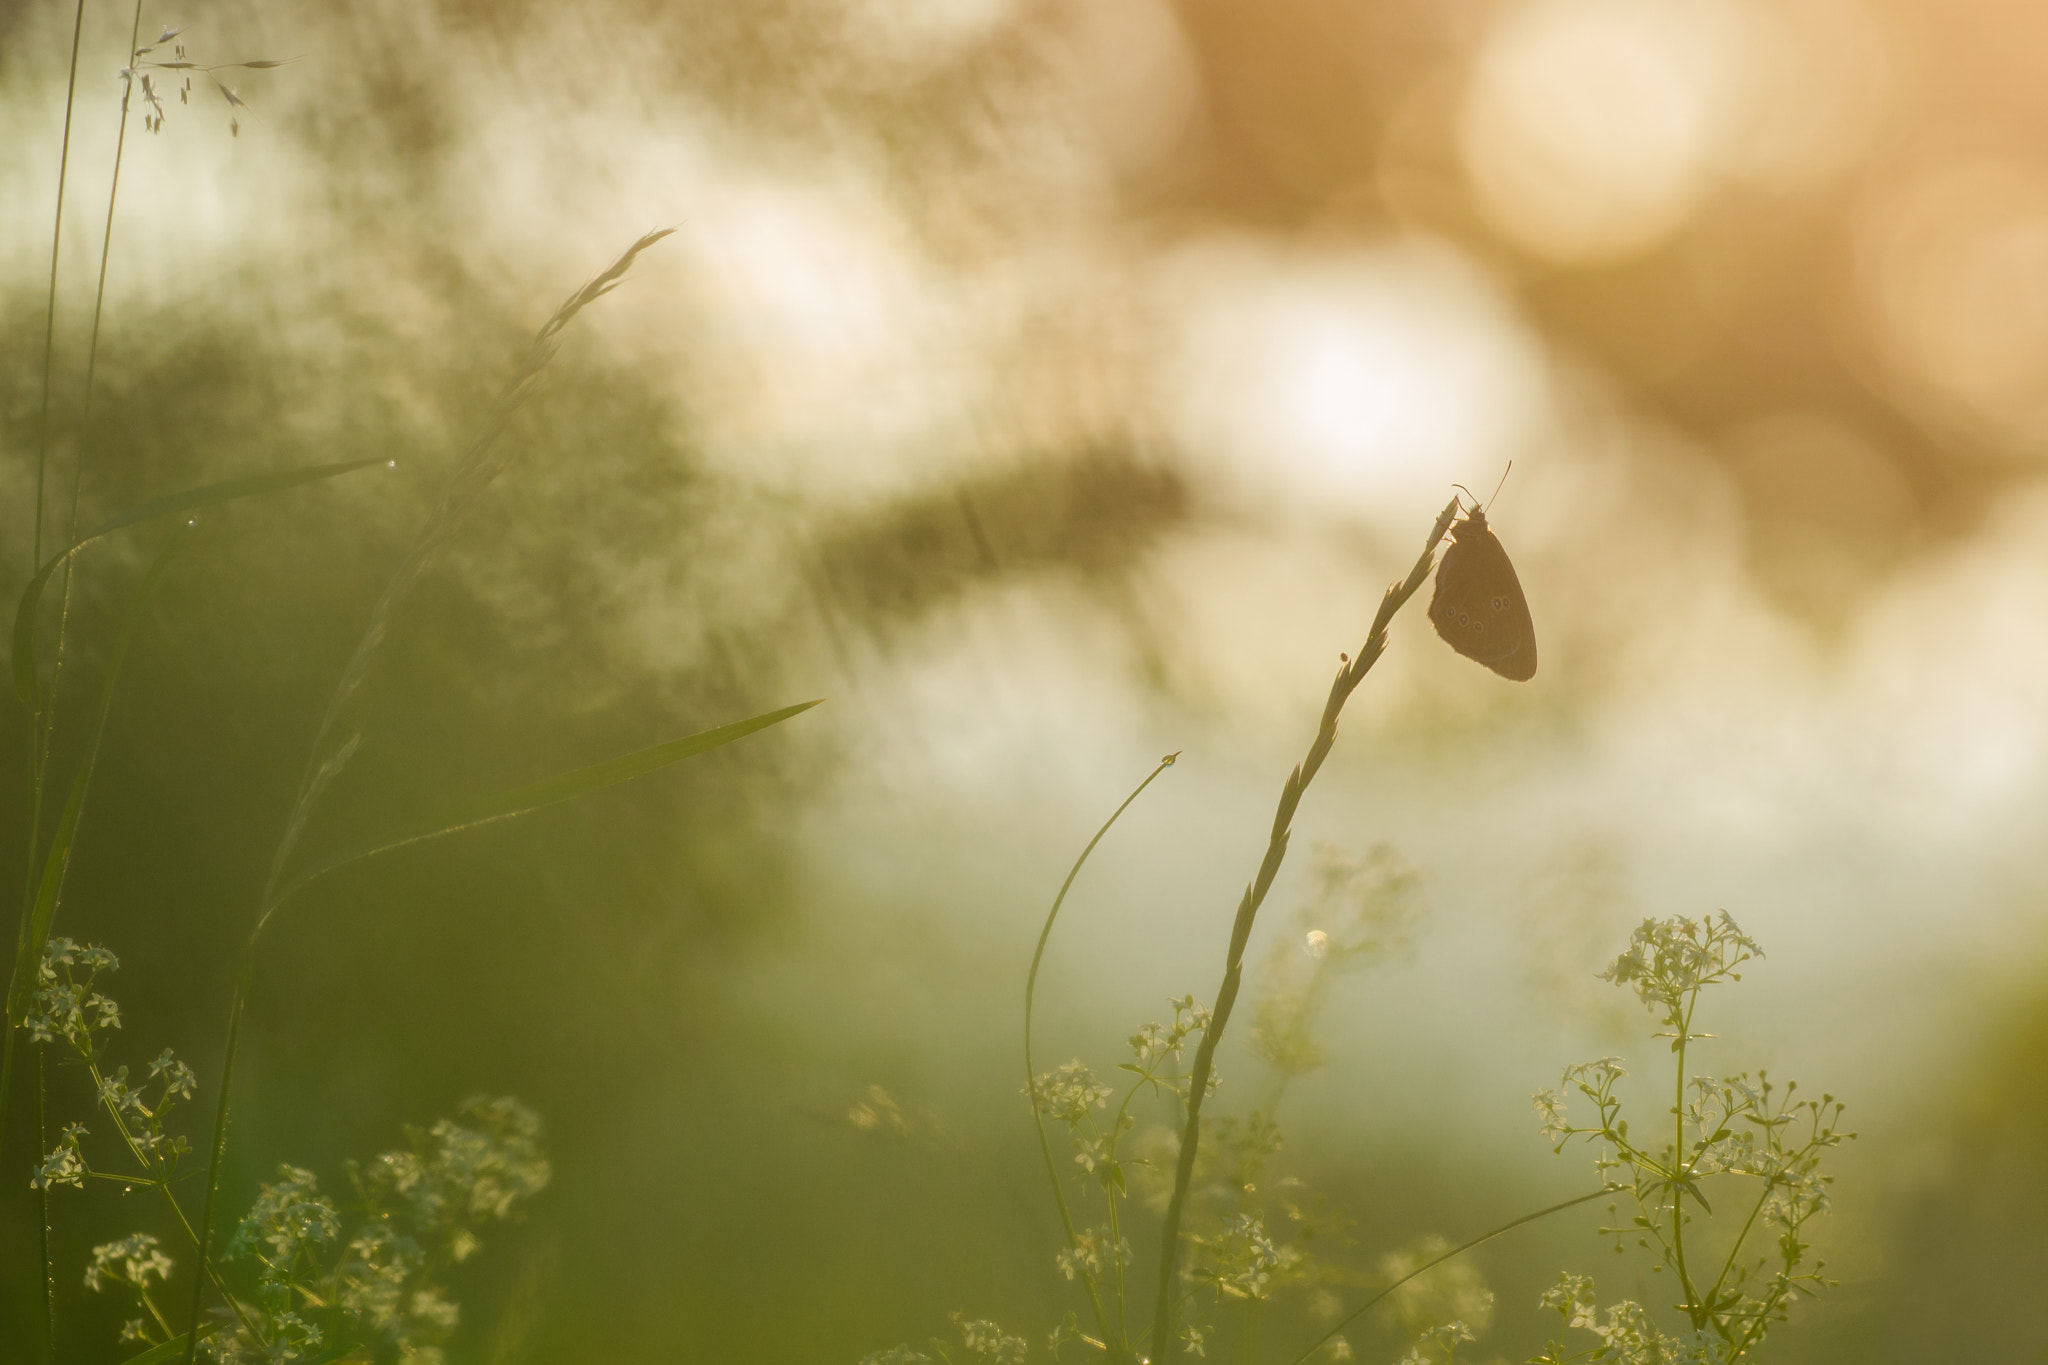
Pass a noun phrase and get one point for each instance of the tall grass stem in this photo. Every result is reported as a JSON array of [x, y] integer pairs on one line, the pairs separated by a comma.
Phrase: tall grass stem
[[50, 306], [1059, 1195], [481, 463], [1349, 675]]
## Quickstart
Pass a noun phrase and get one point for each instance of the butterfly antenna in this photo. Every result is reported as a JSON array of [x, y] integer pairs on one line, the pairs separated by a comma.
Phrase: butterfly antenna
[[1467, 492], [1502, 484]]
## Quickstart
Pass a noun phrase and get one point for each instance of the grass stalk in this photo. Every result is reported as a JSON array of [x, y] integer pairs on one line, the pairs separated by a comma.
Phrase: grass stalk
[[481, 463], [1349, 675], [36, 747], [1102, 1320], [47, 719], [45, 1270], [43, 721], [50, 306], [1455, 1251]]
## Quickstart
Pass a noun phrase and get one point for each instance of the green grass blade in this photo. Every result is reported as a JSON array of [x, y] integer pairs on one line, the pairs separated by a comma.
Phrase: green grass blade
[[169, 1350], [566, 787], [190, 500], [57, 863]]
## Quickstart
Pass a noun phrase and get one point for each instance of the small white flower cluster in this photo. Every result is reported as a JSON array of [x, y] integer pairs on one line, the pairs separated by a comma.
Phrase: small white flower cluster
[[1438, 1345], [130, 1261], [898, 1354], [289, 1220], [986, 1341], [131, 1264], [1626, 1334], [1669, 960], [1728, 1127], [66, 1005], [1156, 1043], [420, 1208], [69, 1010], [65, 1165], [1069, 1093], [1240, 1260], [1094, 1253]]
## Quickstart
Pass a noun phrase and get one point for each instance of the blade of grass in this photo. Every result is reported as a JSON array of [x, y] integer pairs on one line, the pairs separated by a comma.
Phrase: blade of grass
[[1348, 677], [190, 500], [1118, 1346], [166, 1350], [520, 800], [40, 912], [561, 787], [481, 464], [1458, 1250], [57, 862], [46, 711], [50, 307]]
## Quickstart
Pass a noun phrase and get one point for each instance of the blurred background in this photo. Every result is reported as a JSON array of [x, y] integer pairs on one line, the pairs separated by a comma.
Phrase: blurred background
[[1050, 385]]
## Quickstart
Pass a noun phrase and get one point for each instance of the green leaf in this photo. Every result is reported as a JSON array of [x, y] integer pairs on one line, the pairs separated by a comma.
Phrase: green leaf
[[567, 786], [57, 863], [191, 500], [169, 1350]]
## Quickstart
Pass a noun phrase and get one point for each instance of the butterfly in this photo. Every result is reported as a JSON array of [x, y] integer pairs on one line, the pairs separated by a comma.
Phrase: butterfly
[[1478, 607]]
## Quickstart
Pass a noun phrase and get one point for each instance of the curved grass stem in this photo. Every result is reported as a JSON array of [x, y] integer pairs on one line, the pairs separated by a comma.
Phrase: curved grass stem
[[1102, 1320], [1458, 1250]]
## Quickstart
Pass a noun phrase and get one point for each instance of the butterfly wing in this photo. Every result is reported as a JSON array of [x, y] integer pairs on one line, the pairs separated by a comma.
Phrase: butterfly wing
[[1478, 606]]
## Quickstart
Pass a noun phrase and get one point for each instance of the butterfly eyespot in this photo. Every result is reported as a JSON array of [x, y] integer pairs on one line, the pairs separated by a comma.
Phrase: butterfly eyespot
[[1464, 618], [1500, 603], [1479, 627]]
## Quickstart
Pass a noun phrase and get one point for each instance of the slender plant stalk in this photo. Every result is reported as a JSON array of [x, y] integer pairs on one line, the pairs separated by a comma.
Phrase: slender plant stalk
[[50, 307], [1458, 1250], [92, 358], [481, 464], [45, 1271], [162, 1185], [1116, 1340], [36, 747], [43, 724], [1349, 675]]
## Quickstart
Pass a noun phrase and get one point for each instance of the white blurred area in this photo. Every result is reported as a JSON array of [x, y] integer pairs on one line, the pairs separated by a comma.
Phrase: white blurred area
[[1355, 384], [849, 315]]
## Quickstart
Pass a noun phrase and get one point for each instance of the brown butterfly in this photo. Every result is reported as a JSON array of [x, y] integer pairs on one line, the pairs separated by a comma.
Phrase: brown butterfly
[[1478, 607]]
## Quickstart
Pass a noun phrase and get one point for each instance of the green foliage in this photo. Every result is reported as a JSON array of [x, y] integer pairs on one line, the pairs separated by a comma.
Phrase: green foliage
[[1720, 1133], [305, 1281]]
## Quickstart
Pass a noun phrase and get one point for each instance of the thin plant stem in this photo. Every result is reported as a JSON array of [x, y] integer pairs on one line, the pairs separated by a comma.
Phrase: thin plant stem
[[50, 307], [45, 1271], [1458, 1250], [1031, 1067], [1349, 675], [1678, 1164], [48, 718], [36, 747], [99, 298], [159, 1182], [1763, 1197], [43, 725], [481, 464]]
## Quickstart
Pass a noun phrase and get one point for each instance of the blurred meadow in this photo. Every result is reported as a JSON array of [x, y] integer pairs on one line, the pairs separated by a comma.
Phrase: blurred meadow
[[1051, 385]]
